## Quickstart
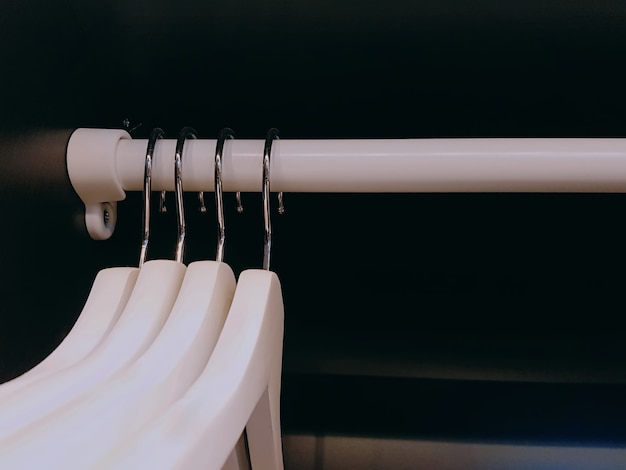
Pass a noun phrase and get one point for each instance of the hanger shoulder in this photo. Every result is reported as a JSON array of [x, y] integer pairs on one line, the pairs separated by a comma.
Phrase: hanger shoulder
[[138, 394], [108, 296], [202, 428], [145, 313]]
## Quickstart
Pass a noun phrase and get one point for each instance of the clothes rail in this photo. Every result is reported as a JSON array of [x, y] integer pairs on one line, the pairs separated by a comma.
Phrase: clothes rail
[[105, 163]]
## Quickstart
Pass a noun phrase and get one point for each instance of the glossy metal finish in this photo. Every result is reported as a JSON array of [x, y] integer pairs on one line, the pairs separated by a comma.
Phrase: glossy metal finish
[[201, 200], [157, 133], [162, 206], [185, 133], [281, 203], [224, 134], [239, 205], [267, 151]]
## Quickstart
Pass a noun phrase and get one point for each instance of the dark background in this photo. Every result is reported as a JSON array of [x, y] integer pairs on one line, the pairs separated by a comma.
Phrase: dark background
[[418, 313]]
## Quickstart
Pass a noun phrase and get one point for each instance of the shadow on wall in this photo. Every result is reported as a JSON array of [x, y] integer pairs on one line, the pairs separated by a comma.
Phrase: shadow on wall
[[310, 452]]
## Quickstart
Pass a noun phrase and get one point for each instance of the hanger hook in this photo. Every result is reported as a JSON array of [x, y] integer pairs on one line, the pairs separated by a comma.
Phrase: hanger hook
[[186, 132], [157, 133], [224, 134], [267, 151]]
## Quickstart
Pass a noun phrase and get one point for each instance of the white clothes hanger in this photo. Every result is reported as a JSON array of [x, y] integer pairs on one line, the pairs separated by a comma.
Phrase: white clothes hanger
[[139, 393], [240, 384], [148, 307], [108, 296]]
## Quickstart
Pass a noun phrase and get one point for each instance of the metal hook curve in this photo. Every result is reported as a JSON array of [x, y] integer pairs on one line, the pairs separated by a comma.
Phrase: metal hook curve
[[224, 134], [267, 151], [157, 133], [186, 132]]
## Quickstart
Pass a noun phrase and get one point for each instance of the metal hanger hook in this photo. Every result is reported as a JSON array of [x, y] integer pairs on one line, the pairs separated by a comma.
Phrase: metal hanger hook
[[157, 133], [184, 134], [267, 151], [224, 134]]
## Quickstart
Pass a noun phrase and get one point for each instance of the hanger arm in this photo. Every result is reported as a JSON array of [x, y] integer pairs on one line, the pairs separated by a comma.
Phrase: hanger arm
[[108, 297], [202, 428]]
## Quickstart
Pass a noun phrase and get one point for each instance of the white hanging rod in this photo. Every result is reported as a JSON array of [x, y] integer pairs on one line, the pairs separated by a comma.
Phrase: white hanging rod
[[105, 163]]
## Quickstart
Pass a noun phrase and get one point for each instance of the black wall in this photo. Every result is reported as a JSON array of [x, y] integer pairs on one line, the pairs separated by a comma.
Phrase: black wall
[[392, 292]]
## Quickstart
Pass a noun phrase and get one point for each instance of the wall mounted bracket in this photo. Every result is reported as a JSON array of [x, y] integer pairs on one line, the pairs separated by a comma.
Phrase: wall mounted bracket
[[93, 174]]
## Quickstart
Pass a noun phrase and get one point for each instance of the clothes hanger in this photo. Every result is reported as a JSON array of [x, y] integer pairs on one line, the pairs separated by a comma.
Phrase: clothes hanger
[[106, 301], [139, 393], [107, 298], [240, 384], [148, 307]]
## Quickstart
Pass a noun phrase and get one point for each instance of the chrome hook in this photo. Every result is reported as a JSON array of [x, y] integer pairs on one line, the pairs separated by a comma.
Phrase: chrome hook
[[267, 151], [157, 133], [186, 132], [224, 134]]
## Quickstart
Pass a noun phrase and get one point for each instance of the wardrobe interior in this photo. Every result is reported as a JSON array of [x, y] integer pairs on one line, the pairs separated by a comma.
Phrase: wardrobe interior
[[441, 330]]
